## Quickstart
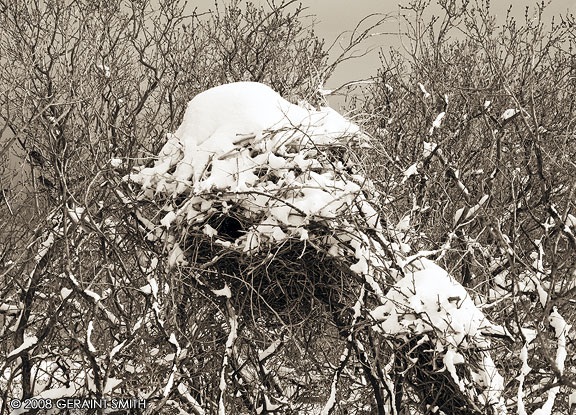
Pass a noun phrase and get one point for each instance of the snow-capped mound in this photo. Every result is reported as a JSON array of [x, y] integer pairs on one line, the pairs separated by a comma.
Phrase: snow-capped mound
[[236, 108], [225, 118], [429, 300], [284, 167]]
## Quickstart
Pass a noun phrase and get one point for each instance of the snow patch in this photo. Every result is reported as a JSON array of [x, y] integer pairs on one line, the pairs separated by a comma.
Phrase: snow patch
[[28, 343], [509, 113]]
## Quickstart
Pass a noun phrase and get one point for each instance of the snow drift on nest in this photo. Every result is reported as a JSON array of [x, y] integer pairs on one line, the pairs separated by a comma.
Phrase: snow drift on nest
[[220, 119], [243, 145]]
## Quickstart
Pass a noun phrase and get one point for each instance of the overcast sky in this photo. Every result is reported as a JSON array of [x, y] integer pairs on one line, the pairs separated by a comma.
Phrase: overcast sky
[[332, 17]]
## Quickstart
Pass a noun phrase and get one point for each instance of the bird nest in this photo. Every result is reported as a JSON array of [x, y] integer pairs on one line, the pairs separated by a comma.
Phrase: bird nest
[[282, 253]]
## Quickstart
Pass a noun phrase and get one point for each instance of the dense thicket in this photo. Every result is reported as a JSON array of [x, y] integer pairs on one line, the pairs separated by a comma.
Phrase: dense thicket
[[473, 132]]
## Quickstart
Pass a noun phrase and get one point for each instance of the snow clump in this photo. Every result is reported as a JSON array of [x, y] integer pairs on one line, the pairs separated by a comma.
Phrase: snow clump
[[218, 125]]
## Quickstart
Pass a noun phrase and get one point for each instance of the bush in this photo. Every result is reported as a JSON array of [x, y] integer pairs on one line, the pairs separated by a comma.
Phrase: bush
[[477, 120]]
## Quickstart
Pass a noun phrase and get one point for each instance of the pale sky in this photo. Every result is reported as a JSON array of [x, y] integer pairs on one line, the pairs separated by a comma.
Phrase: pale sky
[[332, 17]]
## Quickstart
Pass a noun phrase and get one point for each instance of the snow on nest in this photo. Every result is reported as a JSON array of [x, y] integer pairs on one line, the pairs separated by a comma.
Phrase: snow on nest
[[218, 121], [251, 107]]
